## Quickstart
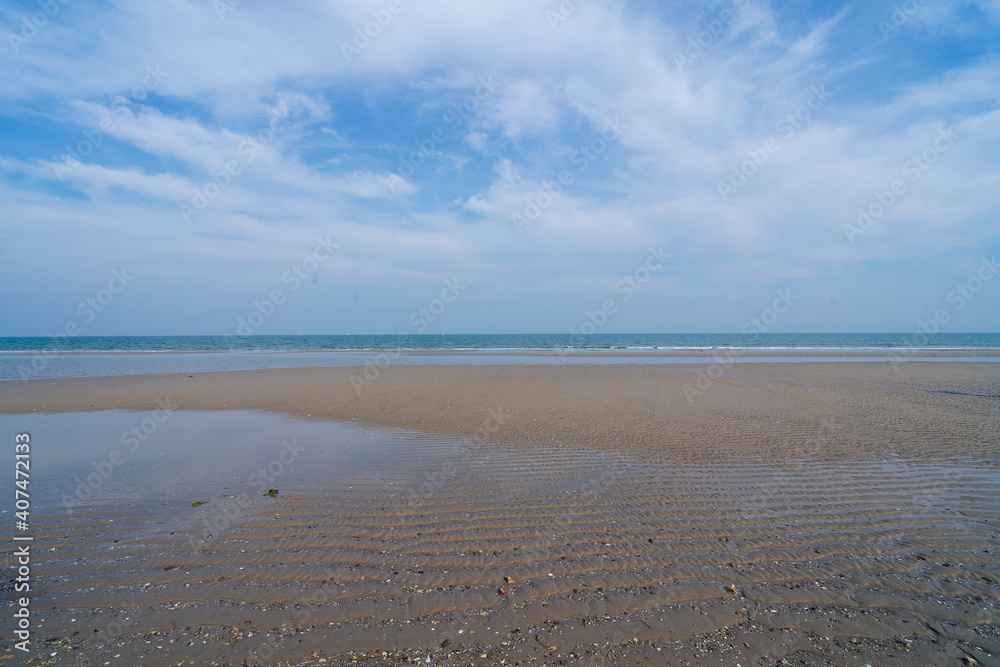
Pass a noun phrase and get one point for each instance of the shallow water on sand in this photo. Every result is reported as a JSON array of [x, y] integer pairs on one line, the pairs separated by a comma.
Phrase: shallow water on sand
[[23, 366], [384, 538], [178, 457]]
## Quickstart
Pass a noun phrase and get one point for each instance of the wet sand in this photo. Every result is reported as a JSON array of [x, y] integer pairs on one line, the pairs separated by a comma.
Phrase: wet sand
[[906, 353], [722, 352], [593, 515], [682, 411]]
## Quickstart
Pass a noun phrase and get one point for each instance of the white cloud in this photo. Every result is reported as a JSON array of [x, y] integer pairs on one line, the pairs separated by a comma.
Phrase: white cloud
[[477, 140], [525, 107], [684, 129], [369, 185]]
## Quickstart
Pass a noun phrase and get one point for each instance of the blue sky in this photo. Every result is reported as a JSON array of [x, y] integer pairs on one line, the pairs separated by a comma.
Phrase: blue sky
[[532, 151]]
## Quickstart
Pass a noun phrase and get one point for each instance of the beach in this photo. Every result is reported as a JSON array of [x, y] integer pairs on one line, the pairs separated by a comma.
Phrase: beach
[[833, 513], [600, 334]]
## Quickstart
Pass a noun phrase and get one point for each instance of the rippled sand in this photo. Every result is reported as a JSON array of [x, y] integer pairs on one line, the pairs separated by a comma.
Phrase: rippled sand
[[841, 514]]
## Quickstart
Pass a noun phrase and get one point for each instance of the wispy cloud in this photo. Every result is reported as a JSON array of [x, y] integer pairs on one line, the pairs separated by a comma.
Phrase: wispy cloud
[[420, 151]]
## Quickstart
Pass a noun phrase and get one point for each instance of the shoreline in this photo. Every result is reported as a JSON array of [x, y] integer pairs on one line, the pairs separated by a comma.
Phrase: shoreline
[[745, 352]]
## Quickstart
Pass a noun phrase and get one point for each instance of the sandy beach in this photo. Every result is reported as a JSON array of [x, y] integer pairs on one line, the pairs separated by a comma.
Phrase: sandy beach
[[744, 352], [818, 513], [685, 411]]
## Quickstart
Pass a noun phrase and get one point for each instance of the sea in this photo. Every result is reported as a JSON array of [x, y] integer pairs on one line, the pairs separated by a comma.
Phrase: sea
[[82, 356]]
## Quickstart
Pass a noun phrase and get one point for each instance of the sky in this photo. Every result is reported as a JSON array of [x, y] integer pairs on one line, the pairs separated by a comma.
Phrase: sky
[[508, 167]]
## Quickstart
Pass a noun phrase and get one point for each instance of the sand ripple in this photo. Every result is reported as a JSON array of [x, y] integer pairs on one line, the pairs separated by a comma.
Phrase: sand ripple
[[586, 540]]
